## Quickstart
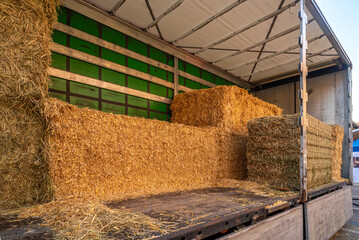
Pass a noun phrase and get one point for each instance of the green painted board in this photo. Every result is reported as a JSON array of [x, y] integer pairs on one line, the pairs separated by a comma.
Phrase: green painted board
[[204, 87], [192, 84], [59, 37], [84, 24], [62, 15], [113, 77], [136, 112], [113, 96], [58, 83], [113, 36], [220, 81], [158, 72], [137, 46], [170, 93], [158, 90], [84, 46], [158, 116], [207, 76], [158, 106], [58, 61], [137, 101], [137, 65], [84, 68], [84, 89], [170, 77], [82, 102], [158, 55], [191, 69], [112, 108], [58, 96], [181, 64], [136, 83], [181, 80], [114, 57]]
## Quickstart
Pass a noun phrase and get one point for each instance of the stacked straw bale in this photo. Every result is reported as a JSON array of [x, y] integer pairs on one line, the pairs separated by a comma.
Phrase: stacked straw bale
[[25, 33], [228, 107], [106, 156], [273, 151], [337, 149]]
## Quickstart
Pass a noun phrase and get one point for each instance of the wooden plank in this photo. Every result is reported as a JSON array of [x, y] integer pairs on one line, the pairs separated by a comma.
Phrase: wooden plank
[[126, 28], [287, 225], [107, 64], [184, 89], [106, 85], [111, 46], [175, 75], [327, 214], [196, 79]]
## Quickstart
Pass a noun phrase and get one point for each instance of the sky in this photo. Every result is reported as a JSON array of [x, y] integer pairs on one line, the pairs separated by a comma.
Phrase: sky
[[343, 17]]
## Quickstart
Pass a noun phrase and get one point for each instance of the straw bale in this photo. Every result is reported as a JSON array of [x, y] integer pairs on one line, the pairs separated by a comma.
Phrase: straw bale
[[229, 107], [273, 151], [106, 156], [23, 170], [337, 149], [25, 34]]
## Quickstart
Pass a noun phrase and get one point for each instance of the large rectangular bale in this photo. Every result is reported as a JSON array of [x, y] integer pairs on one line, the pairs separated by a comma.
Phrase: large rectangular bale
[[105, 156], [274, 146], [24, 176], [229, 107], [337, 149]]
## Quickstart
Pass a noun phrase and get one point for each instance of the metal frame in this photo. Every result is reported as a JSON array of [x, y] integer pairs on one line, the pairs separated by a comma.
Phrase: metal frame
[[117, 6], [153, 18]]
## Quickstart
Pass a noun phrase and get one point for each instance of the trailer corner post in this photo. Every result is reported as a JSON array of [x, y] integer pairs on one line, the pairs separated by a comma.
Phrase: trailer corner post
[[350, 126], [303, 121]]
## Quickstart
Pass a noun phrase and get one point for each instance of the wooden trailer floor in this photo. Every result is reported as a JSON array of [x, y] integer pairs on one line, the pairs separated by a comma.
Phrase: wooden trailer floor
[[350, 231]]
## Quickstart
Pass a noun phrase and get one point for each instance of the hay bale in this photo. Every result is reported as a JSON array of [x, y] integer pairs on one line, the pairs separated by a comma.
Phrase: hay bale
[[23, 170], [337, 149], [229, 107], [273, 151], [25, 34], [106, 156]]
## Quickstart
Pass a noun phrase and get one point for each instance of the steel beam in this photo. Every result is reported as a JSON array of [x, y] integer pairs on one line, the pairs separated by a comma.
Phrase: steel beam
[[166, 12], [117, 6], [275, 54], [208, 20], [255, 23], [153, 18], [288, 62]]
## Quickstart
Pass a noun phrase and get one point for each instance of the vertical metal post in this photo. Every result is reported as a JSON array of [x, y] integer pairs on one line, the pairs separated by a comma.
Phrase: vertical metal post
[[303, 97], [303, 122], [175, 76], [350, 125]]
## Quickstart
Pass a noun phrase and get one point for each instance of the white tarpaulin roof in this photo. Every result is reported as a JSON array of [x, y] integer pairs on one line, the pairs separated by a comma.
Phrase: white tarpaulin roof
[[256, 40]]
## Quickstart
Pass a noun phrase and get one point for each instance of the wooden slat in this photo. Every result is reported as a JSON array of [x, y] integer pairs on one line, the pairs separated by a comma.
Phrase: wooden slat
[[107, 64], [120, 25], [196, 79], [106, 85], [287, 225], [184, 89], [327, 214], [111, 46]]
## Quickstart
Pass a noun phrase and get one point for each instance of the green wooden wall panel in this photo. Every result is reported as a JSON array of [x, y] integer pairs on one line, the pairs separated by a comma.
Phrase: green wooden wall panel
[[62, 15], [181, 80], [84, 89], [158, 90], [113, 96], [134, 112], [59, 37], [220, 81], [113, 56], [207, 76], [137, 65], [58, 61], [137, 46], [157, 72], [113, 36], [191, 69], [204, 87], [170, 93], [137, 101], [158, 116], [181, 64], [84, 68], [82, 102], [112, 108], [113, 77], [136, 83], [84, 46], [58, 84], [158, 106], [158, 55], [58, 96], [193, 84], [84, 24], [170, 77]]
